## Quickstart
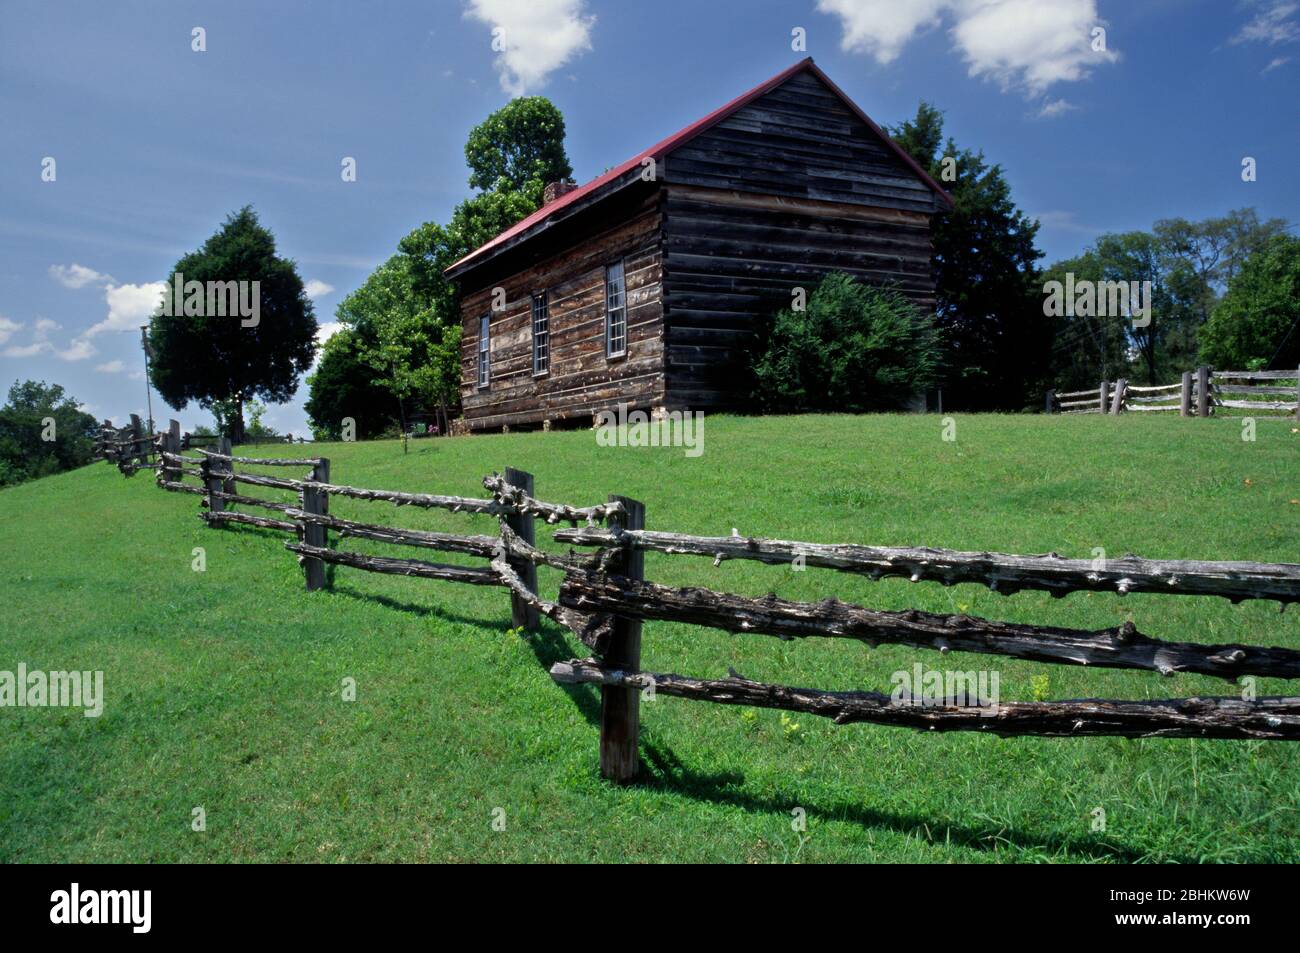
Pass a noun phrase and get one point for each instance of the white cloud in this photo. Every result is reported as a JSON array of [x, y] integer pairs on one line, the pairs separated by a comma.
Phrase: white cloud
[[536, 37], [323, 333], [1276, 63], [1057, 220], [316, 288], [7, 328], [112, 367], [1027, 44], [129, 306], [326, 331], [1274, 22], [1055, 107], [40, 343], [78, 350], [882, 27], [78, 276]]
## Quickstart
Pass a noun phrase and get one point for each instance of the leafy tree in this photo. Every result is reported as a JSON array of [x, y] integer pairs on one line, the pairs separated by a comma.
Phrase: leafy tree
[[1198, 260], [29, 446], [1086, 349], [1187, 263], [406, 316], [217, 361], [1215, 249], [521, 142], [1257, 321], [1136, 257], [855, 348], [400, 336], [344, 386], [989, 298]]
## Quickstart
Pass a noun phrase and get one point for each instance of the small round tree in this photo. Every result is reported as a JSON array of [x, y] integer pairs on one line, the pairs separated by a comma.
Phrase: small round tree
[[854, 348], [520, 143], [342, 387], [219, 359]]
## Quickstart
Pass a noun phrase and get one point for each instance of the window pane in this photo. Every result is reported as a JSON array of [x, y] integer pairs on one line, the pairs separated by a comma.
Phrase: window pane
[[541, 334], [484, 350], [615, 311]]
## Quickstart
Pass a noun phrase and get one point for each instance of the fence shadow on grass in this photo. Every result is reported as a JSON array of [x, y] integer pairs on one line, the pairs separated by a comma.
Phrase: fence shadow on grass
[[664, 772], [421, 610], [669, 775]]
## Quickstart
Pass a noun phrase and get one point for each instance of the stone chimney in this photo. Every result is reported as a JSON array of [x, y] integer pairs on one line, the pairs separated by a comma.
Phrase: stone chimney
[[555, 190]]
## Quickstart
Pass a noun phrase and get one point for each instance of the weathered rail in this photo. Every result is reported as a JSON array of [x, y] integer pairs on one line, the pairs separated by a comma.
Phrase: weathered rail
[[1121, 647], [1266, 719], [1002, 572]]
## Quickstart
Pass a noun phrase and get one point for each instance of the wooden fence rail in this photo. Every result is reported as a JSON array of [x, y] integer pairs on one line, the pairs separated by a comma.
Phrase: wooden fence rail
[[604, 600], [1196, 395], [1001, 572]]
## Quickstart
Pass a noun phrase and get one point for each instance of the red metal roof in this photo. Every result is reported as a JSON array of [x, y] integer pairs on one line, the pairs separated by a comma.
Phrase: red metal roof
[[665, 146]]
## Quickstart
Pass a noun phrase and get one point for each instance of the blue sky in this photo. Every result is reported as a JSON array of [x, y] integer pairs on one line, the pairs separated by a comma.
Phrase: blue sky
[[155, 143]]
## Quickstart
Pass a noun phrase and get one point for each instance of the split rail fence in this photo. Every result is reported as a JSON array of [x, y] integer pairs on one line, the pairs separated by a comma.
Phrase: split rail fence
[[1196, 395], [604, 598]]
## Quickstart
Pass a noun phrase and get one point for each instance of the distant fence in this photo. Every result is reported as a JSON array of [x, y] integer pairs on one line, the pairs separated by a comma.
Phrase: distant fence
[[128, 447], [604, 598], [1196, 395]]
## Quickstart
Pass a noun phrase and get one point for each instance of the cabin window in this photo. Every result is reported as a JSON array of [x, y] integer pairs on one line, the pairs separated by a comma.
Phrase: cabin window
[[615, 312], [541, 334], [484, 348]]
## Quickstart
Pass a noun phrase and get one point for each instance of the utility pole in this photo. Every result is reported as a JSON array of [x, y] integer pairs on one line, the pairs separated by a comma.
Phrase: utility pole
[[148, 394]]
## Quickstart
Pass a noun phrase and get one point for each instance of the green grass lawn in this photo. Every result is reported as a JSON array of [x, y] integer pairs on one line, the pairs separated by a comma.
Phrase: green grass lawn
[[223, 687]]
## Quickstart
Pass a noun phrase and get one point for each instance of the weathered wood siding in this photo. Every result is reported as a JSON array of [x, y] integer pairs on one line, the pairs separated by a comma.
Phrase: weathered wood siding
[[785, 190], [802, 141], [581, 380]]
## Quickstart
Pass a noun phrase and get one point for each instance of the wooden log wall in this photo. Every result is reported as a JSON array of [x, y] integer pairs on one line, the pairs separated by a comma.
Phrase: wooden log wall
[[786, 190], [581, 380], [732, 259]]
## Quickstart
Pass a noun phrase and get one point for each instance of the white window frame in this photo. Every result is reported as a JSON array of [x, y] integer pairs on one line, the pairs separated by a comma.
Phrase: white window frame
[[615, 310], [541, 334], [484, 350]]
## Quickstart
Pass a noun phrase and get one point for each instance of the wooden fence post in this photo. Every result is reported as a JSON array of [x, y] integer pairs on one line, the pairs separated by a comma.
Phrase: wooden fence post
[[227, 466], [1203, 391], [1102, 395], [1051, 402], [313, 534], [172, 444], [620, 708], [522, 615], [212, 480], [1185, 396], [1117, 402], [139, 449]]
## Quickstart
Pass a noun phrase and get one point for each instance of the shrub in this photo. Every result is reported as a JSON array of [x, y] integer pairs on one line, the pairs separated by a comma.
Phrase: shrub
[[854, 348]]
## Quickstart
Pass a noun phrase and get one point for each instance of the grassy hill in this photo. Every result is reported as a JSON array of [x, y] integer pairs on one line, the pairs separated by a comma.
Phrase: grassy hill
[[223, 687]]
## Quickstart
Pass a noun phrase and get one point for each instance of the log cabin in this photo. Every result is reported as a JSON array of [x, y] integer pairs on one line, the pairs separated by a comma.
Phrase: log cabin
[[646, 286]]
